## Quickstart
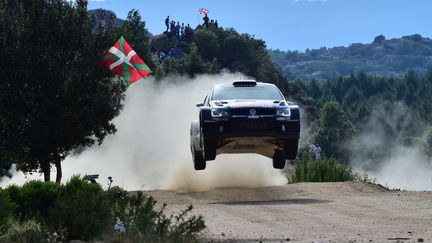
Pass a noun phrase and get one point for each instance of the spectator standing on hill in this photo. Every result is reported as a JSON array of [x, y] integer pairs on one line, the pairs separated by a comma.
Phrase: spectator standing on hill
[[177, 28], [182, 30], [174, 52], [312, 151], [317, 152], [216, 25], [191, 33], [186, 32], [162, 56], [167, 23], [206, 21], [172, 27]]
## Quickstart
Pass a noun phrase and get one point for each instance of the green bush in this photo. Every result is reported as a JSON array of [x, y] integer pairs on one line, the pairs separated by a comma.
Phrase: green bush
[[320, 170], [118, 198], [143, 221], [34, 199], [185, 228], [7, 208], [79, 210], [27, 232]]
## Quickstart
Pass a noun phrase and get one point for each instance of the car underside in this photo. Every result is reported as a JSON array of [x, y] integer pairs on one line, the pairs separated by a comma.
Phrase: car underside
[[269, 127]]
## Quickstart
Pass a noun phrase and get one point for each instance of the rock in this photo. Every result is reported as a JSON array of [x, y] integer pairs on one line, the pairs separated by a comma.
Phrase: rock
[[163, 43]]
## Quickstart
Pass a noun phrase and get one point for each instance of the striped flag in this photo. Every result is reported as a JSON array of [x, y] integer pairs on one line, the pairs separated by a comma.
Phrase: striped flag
[[203, 11], [124, 61]]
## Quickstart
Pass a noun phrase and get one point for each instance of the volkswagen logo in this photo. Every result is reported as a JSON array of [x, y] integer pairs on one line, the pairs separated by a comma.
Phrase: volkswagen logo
[[252, 112]]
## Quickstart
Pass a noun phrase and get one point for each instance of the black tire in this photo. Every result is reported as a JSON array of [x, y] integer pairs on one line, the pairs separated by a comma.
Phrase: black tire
[[291, 149], [279, 159], [208, 146], [199, 161], [210, 150]]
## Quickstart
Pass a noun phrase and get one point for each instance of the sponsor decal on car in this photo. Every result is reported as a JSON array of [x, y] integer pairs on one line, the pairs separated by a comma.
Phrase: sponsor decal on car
[[252, 104]]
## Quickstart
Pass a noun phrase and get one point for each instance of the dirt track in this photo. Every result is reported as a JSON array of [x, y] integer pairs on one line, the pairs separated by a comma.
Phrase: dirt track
[[306, 212]]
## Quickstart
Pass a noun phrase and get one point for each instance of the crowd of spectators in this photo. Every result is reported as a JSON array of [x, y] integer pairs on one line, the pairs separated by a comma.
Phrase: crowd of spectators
[[183, 33]]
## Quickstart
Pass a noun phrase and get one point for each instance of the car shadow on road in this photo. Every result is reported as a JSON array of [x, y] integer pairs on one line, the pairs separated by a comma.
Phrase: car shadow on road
[[276, 202]]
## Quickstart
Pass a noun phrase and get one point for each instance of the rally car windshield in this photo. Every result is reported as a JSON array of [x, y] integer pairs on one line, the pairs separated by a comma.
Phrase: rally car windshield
[[265, 92]]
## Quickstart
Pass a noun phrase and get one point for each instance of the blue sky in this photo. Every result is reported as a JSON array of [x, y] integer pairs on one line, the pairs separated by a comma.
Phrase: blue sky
[[291, 24]]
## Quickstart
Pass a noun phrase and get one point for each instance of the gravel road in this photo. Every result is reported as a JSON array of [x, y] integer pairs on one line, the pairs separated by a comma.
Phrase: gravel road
[[310, 212]]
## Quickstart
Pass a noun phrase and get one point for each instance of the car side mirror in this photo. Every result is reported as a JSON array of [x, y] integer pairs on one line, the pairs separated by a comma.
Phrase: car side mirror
[[199, 104]]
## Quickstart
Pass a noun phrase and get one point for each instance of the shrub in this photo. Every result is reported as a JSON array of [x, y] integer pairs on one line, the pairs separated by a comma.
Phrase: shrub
[[7, 208], [186, 228], [118, 199], [34, 199], [27, 232], [320, 170], [143, 221], [81, 211]]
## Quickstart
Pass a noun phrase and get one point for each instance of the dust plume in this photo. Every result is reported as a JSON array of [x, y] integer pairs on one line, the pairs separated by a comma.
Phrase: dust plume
[[151, 149], [406, 169], [386, 151]]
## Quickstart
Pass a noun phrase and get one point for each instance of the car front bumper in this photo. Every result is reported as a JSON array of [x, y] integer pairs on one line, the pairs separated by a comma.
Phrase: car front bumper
[[244, 127]]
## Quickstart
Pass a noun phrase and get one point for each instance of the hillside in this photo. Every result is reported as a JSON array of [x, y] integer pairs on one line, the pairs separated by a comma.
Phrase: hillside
[[382, 57], [107, 14]]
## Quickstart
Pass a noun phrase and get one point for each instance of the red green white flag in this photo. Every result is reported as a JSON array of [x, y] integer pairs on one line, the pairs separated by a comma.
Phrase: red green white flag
[[124, 61]]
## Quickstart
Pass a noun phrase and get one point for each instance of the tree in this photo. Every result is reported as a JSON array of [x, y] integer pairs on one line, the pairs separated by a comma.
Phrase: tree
[[207, 43], [54, 97], [4, 169], [427, 142], [333, 130], [137, 35], [214, 66], [194, 63]]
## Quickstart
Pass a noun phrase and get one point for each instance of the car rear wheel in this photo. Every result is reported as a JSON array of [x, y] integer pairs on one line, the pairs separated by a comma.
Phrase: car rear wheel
[[291, 149], [208, 146], [279, 159]]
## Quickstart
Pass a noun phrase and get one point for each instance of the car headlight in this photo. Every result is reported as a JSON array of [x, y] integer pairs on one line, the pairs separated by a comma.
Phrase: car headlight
[[219, 112], [286, 112]]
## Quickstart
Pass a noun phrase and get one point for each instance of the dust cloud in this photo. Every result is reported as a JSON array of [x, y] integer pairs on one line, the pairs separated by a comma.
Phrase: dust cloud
[[151, 149], [387, 154], [406, 169]]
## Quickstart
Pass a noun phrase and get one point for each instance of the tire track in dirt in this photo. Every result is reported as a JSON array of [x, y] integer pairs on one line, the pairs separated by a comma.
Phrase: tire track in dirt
[[338, 212]]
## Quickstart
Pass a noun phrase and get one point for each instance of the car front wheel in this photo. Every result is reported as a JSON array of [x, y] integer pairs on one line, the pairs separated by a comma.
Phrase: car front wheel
[[279, 159], [210, 149], [199, 161]]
